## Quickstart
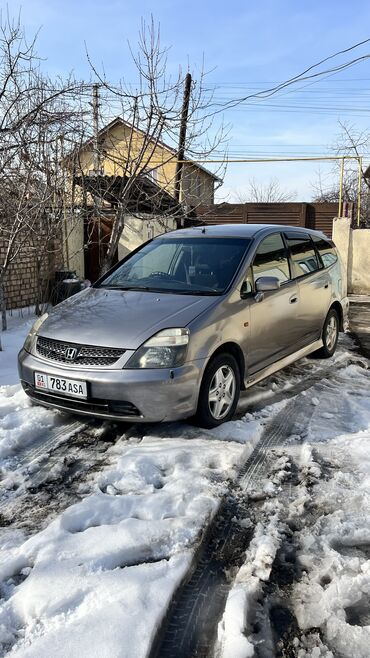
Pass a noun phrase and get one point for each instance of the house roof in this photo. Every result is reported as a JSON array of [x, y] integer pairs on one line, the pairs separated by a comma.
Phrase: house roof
[[119, 121], [145, 195]]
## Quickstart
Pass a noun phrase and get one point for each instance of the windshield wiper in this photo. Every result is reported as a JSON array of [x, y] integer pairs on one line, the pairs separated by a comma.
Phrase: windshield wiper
[[146, 288], [196, 292], [172, 291]]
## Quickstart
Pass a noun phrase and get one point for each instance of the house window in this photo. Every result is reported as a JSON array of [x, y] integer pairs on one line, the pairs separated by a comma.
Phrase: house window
[[152, 174]]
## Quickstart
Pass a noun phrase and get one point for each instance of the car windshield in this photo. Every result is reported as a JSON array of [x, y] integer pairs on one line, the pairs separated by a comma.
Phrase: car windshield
[[199, 265]]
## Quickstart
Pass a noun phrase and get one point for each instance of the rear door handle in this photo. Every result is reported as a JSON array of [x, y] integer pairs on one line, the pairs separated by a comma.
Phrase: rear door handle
[[293, 300]]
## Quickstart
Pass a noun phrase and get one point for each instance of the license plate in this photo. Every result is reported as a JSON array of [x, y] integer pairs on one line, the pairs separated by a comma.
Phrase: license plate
[[73, 387]]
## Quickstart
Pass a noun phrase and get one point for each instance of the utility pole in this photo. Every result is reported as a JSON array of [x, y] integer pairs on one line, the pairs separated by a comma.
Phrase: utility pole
[[95, 111], [65, 222], [182, 136], [96, 167]]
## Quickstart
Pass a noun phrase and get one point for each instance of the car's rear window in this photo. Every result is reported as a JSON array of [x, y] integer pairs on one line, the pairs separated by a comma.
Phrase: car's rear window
[[326, 250], [303, 255]]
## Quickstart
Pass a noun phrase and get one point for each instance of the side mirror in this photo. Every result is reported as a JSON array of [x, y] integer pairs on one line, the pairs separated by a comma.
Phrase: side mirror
[[266, 283]]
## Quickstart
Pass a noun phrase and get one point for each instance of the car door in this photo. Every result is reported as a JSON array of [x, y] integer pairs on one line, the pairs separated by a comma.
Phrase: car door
[[272, 314], [314, 285]]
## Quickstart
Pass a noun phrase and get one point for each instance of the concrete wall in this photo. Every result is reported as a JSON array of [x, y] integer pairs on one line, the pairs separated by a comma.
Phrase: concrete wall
[[75, 245], [354, 249], [138, 230], [360, 262]]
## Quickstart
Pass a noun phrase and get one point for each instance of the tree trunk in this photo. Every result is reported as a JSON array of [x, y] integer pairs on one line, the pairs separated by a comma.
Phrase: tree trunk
[[117, 229], [4, 325], [38, 286]]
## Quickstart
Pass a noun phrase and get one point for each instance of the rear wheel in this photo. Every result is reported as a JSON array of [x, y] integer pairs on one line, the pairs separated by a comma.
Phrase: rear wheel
[[219, 391], [330, 335]]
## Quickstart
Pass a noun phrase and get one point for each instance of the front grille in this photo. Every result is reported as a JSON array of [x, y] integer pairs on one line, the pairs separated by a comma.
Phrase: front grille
[[93, 405], [77, 355]]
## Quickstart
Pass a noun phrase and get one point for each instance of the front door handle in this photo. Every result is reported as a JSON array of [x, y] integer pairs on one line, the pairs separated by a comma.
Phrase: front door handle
[[293, 300]]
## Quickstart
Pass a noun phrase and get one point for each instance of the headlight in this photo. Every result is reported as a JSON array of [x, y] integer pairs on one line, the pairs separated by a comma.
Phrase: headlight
[[167, 349], [30, 340]]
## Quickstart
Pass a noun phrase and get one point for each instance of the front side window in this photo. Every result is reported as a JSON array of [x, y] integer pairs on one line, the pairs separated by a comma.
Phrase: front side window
[[199, 265], [303, 254], [326, 250], [271, 259]]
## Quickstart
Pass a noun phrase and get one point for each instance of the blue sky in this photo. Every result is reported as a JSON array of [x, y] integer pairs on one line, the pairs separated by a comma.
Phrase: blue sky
[[247, 45]]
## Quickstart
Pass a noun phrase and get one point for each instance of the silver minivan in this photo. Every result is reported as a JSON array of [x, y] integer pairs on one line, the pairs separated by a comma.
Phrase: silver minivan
[[182, 324]]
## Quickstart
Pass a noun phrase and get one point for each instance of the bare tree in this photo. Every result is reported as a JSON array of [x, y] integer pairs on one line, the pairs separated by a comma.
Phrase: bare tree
[[269, 192], [34, 110], [41, 119], [355, 143], [152, 113]]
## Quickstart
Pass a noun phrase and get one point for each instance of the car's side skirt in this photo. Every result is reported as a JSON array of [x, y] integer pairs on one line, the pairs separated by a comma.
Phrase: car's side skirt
[[282, 363]]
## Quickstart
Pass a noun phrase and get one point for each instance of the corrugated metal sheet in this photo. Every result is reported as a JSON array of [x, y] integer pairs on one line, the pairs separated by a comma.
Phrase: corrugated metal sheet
[[317, 216], [324, 215]]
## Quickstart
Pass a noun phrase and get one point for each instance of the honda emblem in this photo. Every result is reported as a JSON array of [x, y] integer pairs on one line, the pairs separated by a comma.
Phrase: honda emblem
[[70, 353]]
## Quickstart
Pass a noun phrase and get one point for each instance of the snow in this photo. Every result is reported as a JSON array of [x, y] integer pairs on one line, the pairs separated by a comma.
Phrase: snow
[[247, 589], [330, 506], [96, 578], [334, 593], [117, 555], [12, 341], [20, 423]]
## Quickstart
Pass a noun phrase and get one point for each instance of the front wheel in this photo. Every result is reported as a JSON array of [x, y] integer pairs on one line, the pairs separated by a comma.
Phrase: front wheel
[[330, 335], [219, 391]]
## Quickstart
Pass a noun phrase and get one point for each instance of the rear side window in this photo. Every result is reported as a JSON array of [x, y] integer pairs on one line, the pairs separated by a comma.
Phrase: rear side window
[[303, 254], [326, 250], [271, 259]]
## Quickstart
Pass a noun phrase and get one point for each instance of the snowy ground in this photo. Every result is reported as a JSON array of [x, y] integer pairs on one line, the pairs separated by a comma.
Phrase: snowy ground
[[304, 587], [101, 522]]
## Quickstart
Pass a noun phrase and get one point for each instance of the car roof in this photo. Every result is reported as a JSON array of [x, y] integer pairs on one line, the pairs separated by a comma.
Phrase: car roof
[[239, 230]]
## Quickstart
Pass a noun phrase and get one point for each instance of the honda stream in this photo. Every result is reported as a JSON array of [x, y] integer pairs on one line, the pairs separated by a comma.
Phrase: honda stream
[[182, 324]]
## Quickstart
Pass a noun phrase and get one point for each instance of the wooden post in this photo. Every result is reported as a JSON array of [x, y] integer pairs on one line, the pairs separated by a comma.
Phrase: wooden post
[[182, 136], [303, 218], [95, 117]]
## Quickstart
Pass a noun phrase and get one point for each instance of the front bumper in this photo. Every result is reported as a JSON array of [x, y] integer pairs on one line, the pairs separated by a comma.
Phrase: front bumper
[[148, 395]]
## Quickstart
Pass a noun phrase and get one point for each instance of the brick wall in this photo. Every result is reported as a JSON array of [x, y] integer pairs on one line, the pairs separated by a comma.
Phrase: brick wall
[[21, 286]]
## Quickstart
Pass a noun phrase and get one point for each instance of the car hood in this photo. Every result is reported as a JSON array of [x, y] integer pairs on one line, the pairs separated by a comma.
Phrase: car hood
[[115, 318]]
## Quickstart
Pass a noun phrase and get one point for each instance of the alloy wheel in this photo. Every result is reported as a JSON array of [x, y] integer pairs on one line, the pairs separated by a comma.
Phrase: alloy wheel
[[222, 392], [331, 332]]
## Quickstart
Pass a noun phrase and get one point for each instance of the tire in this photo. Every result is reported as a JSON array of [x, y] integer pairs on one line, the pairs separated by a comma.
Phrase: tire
[[221, 380], [330, 335]]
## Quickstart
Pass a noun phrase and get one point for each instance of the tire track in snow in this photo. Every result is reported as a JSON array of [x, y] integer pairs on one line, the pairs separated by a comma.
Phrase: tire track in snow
[[248, 403], [190, 626], [50, 441], [54, 479]]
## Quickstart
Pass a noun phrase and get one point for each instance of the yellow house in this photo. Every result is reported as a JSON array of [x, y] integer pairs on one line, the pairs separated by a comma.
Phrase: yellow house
[[102, 169], [124, 150]]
